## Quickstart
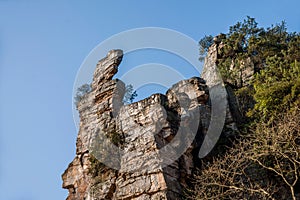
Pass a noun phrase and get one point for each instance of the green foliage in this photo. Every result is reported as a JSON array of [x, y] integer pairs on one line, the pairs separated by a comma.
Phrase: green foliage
[[101, 152], [84, 89], [265, 162], [116, 138], [81, 91], [130, 94], [238, 45], [229, 76], [237, 40], [277, 87], [245, 99], [96, 166], [247, 40], [276, 56], [204, 44], [98, 170]]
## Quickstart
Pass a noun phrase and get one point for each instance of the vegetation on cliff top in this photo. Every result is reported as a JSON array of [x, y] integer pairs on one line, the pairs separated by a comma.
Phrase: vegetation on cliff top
[[264, 162], [129, 96], [275, 54]]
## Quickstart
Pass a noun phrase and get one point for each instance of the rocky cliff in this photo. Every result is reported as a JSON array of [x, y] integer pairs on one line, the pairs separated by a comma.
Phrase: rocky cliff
[[144, 150]]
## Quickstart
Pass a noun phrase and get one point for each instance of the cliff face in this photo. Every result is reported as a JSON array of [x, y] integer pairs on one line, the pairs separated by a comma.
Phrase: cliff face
[[156, 140]]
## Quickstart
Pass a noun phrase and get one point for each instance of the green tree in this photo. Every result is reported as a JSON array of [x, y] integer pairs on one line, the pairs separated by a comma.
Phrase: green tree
[[264, 161], [81, 91], [277, 87], [130, 94], [204, 44]]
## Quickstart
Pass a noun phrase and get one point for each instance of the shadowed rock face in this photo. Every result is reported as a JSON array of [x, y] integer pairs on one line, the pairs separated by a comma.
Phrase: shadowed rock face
[[144, 131]]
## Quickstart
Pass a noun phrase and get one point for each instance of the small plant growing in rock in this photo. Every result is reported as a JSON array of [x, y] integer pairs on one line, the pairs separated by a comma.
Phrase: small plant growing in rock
[[81, 92], [204, 44], [96, 166], [130, 94]]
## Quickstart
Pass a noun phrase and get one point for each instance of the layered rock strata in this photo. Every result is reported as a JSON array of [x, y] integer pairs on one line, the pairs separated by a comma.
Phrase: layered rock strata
[[144, 150]]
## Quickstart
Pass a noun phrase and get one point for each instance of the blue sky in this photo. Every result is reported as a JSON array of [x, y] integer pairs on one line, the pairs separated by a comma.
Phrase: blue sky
[[42, 45]]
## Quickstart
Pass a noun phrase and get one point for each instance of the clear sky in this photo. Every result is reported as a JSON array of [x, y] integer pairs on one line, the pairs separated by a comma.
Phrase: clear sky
[[42, 45]]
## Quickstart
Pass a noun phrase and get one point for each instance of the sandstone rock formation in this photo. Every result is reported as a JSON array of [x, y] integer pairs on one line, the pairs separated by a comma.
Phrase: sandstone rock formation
[[156, 140]]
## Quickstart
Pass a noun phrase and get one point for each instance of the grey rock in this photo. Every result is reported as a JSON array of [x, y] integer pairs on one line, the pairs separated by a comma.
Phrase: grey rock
[[142, 130]]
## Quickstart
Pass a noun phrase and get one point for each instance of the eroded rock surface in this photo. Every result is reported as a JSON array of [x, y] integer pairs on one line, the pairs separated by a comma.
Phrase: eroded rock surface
[[148, 135]]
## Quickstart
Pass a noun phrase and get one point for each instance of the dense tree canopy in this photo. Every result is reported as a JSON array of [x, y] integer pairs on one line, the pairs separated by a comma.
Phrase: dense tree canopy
[[276, 56], [264, 162]]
